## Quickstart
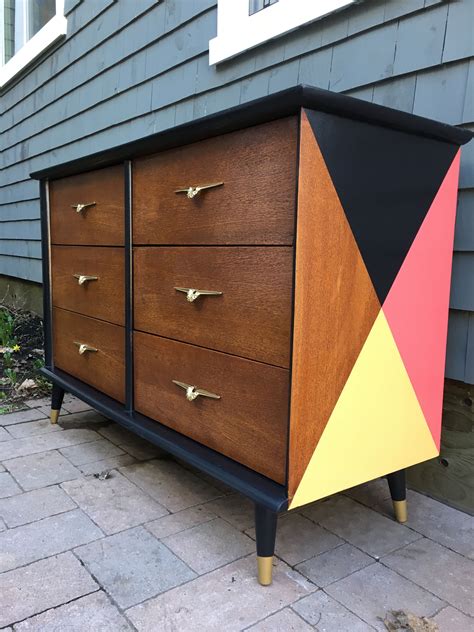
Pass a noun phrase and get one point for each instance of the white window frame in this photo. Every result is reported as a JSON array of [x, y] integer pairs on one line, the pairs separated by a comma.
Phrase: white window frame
[[237, 31], [53, 30]]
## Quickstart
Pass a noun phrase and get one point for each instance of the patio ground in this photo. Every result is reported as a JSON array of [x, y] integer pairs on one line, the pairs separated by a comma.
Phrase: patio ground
[[156, 546]]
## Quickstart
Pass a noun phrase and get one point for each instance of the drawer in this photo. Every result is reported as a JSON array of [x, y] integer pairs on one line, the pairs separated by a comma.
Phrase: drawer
[[252, 316], [249, 423], [254, 205], [103, 369], [102, 223], [101, 297]]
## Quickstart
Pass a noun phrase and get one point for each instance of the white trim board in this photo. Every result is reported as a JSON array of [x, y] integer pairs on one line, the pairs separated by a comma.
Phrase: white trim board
[[237, 31], [53, 30]]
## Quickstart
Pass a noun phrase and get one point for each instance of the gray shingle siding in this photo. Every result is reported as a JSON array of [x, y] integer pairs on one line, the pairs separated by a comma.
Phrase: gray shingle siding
[[127, 69]]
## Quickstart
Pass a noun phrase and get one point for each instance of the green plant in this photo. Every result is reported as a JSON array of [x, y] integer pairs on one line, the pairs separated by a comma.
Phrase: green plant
[[44, 385], [38, 364], [7, 359], [9, 343], [11, 375], [20, 357], [7, 327]]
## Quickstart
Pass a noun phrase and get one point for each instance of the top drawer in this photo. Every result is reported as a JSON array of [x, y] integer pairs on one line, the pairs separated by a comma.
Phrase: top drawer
[[254, 205], [101, 221]]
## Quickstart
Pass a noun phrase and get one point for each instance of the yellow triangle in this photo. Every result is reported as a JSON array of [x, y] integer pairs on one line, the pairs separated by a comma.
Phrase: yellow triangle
[[376, 427]]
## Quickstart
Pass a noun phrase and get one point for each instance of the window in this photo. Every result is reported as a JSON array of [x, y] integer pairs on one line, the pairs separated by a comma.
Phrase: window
[[27, 27], [258, 5], [243, 24]]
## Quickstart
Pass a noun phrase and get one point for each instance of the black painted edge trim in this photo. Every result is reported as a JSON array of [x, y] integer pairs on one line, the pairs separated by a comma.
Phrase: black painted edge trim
[[128, 268], [46, 272], [280, 104], [258, 488]]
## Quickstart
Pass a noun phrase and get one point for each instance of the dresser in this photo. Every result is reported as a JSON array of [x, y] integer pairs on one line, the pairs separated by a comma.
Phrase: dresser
[[262, 293]]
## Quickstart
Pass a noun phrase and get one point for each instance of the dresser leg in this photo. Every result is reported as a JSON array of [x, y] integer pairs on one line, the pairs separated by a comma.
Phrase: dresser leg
[[56, 402], [398, 492], [265, 529]]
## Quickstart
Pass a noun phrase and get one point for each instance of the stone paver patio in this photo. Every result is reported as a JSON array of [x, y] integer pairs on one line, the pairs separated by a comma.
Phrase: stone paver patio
[[157, 546]]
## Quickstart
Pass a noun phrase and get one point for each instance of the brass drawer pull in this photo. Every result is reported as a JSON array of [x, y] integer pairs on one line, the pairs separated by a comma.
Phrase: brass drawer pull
[[193, 393], [191, 192], [84, 278], [83, 348], [80, 207], [192, 295]]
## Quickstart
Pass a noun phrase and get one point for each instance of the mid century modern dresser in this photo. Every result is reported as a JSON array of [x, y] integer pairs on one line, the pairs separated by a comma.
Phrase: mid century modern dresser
[[262, 293]]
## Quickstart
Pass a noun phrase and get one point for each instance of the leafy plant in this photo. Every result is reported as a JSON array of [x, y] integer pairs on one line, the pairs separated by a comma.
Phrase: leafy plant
[[7, 359], [44, 385], [21, 341], [8, 342], [11, 375], [7, 327]]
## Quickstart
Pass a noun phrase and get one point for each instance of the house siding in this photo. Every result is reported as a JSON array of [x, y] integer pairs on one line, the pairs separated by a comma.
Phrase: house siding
[[128, 69]]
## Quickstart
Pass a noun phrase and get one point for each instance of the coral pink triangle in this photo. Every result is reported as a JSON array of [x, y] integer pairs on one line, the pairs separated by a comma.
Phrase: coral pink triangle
[[417, 305]]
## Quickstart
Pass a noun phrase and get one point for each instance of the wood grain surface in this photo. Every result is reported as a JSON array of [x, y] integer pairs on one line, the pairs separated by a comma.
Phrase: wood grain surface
[[248, 424], [335, 305], [104, 298], [102, 224], [252, 318], [255, 205], [105, 369]]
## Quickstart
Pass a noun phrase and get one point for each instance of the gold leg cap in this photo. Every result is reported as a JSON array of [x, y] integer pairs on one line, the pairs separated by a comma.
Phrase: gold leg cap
[[265, 570], [400, 510], [54, 416]]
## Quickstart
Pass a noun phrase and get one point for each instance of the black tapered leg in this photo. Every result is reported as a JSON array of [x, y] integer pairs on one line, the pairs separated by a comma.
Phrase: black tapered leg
[[57, 397], [398, 492], [265, 529]]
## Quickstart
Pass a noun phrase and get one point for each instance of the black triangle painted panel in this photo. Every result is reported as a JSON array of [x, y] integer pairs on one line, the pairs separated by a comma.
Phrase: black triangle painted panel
[[386, 181]]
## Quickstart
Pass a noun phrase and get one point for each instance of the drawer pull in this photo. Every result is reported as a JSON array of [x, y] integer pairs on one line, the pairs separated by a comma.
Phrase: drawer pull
[[83, 348], [191, 192], [192, 295], [80, 207], [192, 392], [84, 278]]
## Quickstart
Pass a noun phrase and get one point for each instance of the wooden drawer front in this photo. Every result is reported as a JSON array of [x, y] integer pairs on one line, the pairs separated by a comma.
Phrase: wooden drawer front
[[251, 318], [103, 369], [100, 224], [248, 424], [102, 297], [255, 205]]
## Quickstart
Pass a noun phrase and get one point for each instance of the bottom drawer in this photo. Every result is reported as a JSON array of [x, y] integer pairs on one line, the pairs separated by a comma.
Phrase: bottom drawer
[[103, 368], [249, 421]]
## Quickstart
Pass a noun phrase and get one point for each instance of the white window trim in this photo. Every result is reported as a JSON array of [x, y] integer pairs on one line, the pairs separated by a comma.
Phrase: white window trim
[[237, 31], [53, 30]]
